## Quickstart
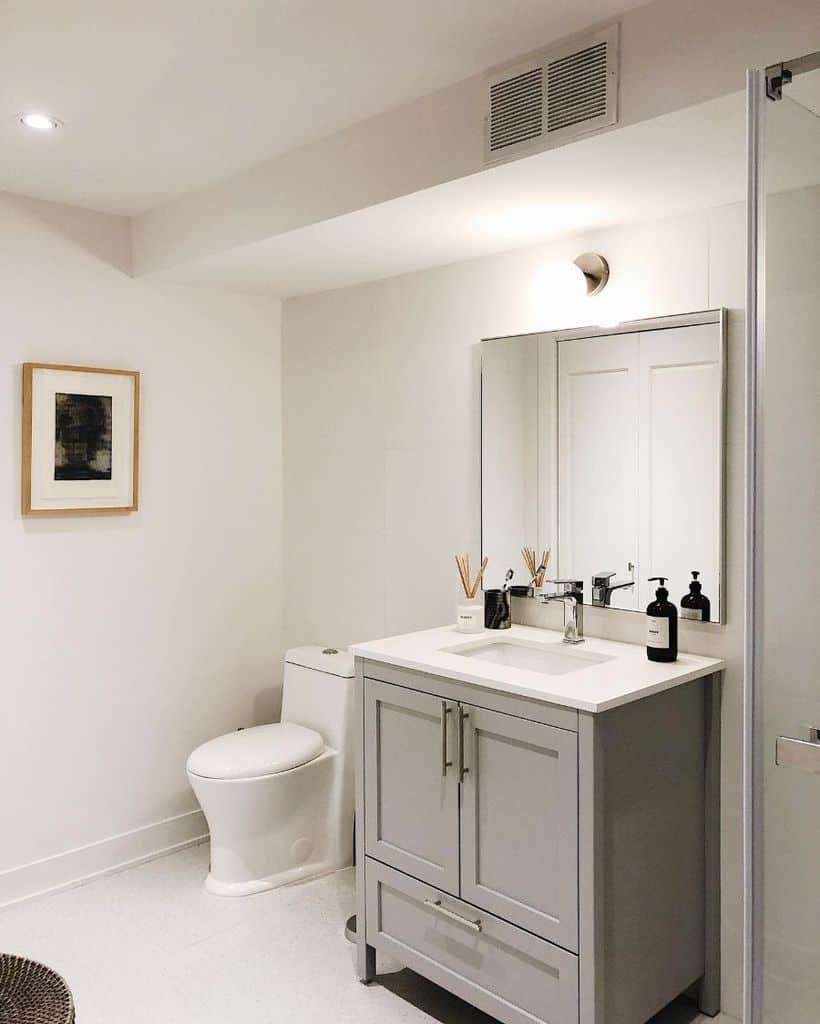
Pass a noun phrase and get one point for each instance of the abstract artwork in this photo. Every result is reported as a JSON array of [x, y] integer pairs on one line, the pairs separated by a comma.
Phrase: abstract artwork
[[80, 439]]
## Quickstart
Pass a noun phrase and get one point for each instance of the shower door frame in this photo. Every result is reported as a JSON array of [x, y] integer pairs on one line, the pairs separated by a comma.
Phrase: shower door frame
[[763, 85]]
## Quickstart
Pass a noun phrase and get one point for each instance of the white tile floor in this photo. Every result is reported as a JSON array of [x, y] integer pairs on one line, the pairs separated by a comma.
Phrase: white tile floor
[[148, 946]]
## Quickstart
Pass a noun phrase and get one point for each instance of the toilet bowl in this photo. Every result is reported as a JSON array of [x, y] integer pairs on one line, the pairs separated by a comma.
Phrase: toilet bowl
[[278, 798]]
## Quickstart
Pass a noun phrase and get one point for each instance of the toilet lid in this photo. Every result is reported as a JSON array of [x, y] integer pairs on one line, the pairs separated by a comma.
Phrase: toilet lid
[[262, 750]]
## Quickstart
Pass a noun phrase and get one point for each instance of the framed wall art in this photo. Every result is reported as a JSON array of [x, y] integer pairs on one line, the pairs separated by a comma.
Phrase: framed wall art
[[80, 440]]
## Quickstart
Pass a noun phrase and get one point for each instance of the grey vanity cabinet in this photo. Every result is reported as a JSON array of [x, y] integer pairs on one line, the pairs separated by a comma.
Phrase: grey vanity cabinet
[[550, 866], [519, 822]]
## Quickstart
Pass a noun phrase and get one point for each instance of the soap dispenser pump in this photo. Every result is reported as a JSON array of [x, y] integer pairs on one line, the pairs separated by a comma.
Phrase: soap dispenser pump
[[696, 605], [661, 625]]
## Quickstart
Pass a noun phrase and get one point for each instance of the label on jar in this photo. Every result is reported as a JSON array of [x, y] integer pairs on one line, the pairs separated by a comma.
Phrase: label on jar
[[692, 613], [657, 633]]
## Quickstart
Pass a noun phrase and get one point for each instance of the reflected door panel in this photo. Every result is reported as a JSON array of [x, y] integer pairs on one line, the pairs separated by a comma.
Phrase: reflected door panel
[[680, 434], [598, 459]]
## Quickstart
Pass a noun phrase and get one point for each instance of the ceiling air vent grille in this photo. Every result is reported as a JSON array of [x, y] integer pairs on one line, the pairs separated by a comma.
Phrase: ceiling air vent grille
[[570, 90], [517, 109], [577, 87]]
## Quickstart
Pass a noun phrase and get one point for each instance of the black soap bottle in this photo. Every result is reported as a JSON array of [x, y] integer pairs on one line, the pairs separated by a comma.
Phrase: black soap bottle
[[696, 605], [661, 625]]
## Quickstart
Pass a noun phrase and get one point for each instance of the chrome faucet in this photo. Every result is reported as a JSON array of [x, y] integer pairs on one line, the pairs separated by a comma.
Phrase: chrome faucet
[[603, 589], [571, 595]]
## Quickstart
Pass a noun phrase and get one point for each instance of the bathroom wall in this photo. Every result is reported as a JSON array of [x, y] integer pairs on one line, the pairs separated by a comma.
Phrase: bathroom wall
[[381, 447], [127, 640]]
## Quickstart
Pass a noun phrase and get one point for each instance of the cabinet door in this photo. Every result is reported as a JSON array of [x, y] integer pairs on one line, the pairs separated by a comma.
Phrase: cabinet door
[[411, 791], [519, 823]]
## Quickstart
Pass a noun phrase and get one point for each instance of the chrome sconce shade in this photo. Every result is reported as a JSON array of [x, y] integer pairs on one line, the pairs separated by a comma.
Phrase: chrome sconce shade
[[595, 270]]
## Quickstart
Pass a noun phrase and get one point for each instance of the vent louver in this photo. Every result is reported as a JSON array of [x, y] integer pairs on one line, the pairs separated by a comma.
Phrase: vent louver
[[569, 90], [517, 106], [576, 88]]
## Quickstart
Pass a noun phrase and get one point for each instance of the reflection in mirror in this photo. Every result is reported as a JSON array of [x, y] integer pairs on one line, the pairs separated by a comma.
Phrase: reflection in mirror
[[605, 446]]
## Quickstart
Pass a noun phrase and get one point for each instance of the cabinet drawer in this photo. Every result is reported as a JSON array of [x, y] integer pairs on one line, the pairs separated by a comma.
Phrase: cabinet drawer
[[503, 970]]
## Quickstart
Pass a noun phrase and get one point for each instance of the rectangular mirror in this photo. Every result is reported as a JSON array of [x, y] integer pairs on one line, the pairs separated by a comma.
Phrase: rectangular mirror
[[605, 446]]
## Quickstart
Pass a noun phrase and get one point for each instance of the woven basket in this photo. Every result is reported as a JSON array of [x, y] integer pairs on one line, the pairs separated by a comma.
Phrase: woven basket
[[31, 993]]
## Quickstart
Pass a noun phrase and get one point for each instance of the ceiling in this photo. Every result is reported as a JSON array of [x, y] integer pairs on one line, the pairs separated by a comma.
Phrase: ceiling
[[693, 159], [161, 97]]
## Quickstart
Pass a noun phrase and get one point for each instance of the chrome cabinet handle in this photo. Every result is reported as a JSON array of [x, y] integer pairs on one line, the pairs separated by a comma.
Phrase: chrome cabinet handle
[[445, 764], [475, 925], [462, 770], [803, 754]]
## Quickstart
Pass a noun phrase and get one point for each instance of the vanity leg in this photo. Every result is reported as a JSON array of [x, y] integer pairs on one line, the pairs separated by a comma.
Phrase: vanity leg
[[366, 963], [365, 955], [709, 987]]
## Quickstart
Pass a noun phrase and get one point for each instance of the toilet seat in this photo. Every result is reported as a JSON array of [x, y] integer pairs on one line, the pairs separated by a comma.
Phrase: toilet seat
[[252, 753]]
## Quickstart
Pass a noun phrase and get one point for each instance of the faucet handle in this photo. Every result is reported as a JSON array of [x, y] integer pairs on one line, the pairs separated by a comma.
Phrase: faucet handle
[[568, 586]]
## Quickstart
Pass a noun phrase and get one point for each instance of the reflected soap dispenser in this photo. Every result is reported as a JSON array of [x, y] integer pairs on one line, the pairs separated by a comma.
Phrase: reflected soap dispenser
[[696, 605], [661, 625]]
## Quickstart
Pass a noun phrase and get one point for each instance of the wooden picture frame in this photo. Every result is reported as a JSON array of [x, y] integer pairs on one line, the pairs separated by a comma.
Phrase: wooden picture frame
[[80, 436]]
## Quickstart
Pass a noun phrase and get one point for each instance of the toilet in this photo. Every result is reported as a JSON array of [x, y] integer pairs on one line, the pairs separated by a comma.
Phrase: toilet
[[279, 798]]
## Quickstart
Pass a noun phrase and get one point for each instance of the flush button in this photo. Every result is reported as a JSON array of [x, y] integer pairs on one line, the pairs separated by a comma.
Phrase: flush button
[[330, 650]]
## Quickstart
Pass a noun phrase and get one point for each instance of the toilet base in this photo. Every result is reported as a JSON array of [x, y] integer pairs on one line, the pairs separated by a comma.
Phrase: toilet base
[[303, 873]]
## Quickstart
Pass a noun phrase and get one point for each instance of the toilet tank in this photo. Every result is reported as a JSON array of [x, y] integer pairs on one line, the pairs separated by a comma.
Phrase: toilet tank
[[318, 692]]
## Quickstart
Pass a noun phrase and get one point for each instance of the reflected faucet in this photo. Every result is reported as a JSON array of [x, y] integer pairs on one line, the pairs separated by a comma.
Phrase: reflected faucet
[[571, 595], [542, 568], [602, 589]]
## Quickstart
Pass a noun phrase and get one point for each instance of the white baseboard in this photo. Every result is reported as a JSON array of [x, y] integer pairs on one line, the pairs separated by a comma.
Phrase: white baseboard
[[73, 867]]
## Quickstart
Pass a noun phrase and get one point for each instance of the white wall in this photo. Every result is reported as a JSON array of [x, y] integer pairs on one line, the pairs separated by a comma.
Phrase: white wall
[[128, 640], [381, 448]]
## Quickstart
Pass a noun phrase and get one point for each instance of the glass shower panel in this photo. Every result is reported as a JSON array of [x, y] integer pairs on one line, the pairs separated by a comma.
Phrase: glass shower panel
[[789, 657]]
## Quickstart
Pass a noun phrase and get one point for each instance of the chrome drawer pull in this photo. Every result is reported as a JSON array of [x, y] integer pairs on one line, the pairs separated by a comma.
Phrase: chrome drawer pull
[[803, 754], [439, 909], [445, 764]]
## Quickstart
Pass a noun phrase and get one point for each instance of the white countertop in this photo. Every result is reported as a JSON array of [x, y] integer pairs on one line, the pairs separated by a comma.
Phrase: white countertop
[[627, 677]]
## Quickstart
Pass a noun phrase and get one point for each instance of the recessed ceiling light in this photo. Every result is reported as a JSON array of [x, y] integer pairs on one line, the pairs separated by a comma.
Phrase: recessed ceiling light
[[40, 122]]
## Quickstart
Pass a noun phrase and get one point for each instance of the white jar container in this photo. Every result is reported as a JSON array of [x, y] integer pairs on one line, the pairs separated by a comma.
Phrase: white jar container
[[470, 618]]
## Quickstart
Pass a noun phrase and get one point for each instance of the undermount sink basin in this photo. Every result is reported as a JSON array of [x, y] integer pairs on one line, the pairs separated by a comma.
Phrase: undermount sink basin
[[554, 659]]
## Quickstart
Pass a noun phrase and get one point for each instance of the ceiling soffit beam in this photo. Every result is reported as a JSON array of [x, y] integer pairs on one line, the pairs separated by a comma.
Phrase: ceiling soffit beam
[[673, 56]]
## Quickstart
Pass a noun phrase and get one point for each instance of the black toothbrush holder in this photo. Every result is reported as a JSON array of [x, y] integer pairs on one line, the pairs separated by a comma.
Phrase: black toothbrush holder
[[497, 609]]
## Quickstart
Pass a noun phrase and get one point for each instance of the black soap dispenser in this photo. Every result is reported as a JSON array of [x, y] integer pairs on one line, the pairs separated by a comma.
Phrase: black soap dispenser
[[661, 625], [696, 605]]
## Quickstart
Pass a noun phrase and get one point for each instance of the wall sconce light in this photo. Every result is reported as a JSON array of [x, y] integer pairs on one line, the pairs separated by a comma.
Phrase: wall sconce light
[[595, 270], [558, 288]]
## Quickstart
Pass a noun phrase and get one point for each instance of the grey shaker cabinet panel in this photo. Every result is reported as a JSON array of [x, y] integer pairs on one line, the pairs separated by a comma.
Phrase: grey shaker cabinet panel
[[411, 794], [519, 823], [509, 973]]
